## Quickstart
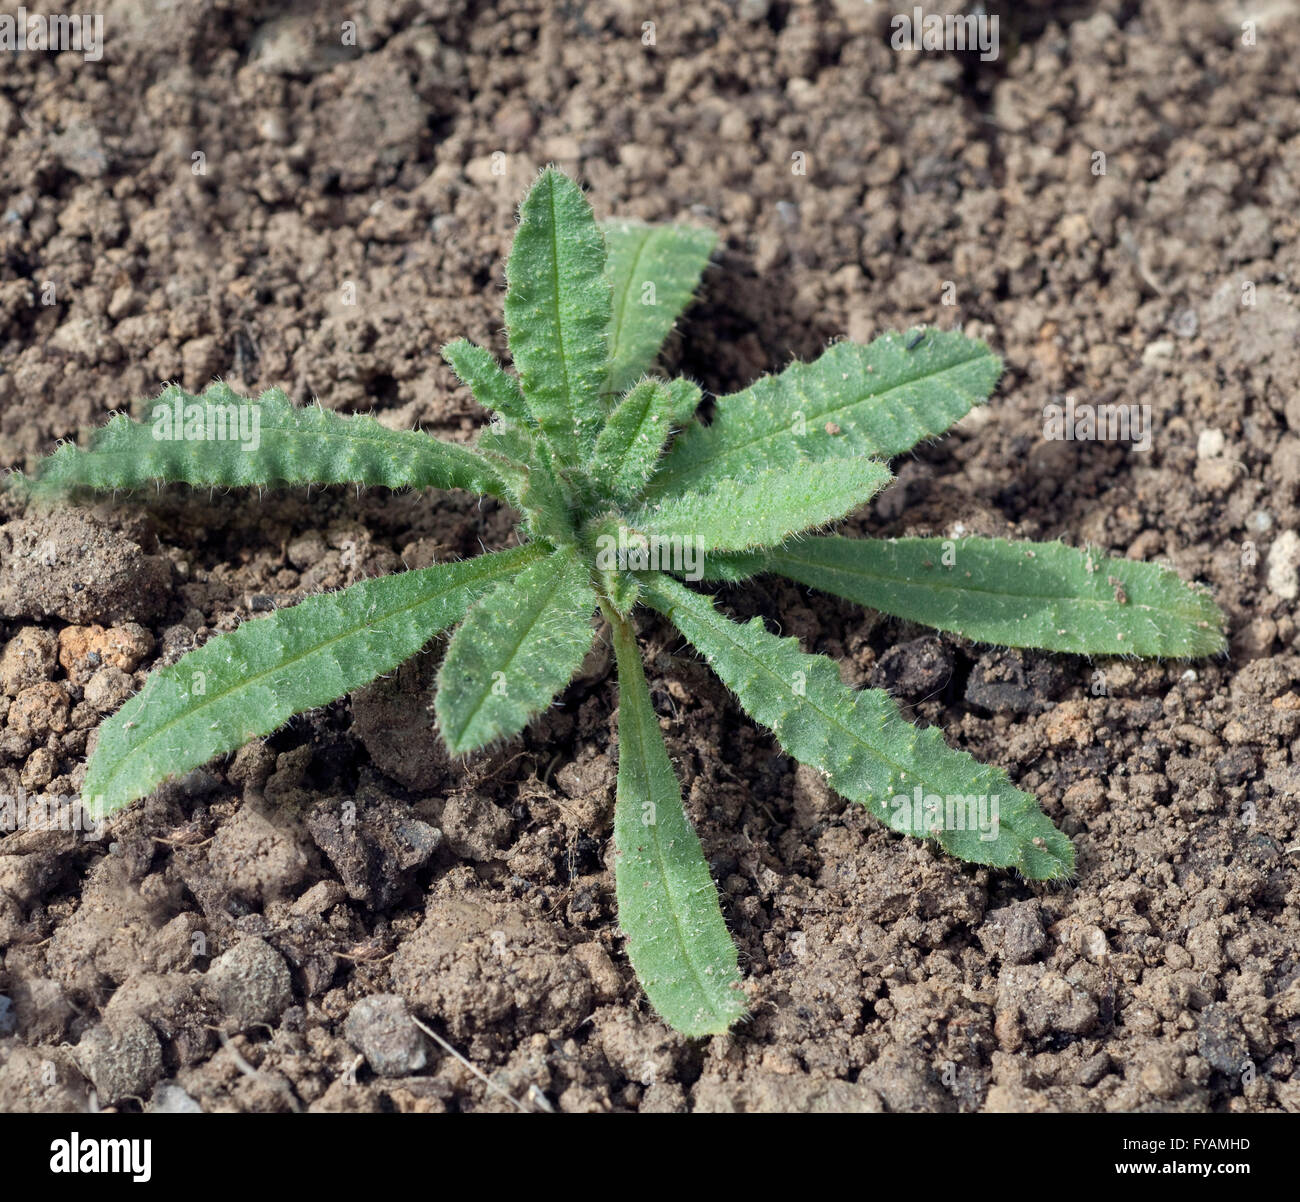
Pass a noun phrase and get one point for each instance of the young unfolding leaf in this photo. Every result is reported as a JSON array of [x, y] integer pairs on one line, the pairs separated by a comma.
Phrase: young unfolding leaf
[[667, 904], [633, 438], [483, 376], [878, 400], [1043, 595], [863, 745], [653, 271], [686, 400], [557, 310], [248, 682], [224, 440], [516, 649], [523, 463], [760, 512]]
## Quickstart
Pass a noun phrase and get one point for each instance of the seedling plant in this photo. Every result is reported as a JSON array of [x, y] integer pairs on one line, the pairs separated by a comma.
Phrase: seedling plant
[[624, 497]]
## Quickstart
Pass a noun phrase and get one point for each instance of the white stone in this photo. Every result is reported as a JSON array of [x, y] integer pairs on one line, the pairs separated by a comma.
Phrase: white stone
[[1210, 444], [1284, 565]]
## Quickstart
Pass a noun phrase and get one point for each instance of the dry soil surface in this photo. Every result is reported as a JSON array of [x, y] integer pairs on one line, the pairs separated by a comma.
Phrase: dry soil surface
[[208, 199]]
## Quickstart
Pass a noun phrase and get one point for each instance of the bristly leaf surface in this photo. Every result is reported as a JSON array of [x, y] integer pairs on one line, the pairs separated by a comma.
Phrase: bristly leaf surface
[[254, 679], [878, 401], [633, 438], [1044, 595], [476, 368], [557, 309], [667, 904], [516, 649], [653, 271], [863, 745], [217, 444], [760, 512], [522, 460]]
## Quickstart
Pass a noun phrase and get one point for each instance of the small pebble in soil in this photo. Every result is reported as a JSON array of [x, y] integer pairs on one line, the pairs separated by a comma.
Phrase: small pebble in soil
[[108, 689], [1157, 352], [1014, 932], [121, 1059], [170, 1098], [1210, 444], [1284, 565], [250, 983], [1221, 1042], [380, 1028], [28, 659]]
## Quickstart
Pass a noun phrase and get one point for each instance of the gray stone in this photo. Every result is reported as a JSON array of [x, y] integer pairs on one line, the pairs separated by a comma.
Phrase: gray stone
[[380, 1028], [250, 983], [122, 1059]]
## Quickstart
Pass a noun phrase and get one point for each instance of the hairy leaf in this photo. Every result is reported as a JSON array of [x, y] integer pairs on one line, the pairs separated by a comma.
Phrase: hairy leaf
[[476, 368], [653, 271], [248, 682], [1044, 595], [633, 438], [878, 400], [516, 649], [667, 904], [523, 463], [557, 309], [224, 440], [864, 746], [737, 514], [686, 400]]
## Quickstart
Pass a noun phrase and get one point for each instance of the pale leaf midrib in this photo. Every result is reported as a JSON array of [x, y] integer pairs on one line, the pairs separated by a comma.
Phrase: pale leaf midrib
[[696, 465], [250, 680], [721, 627], [617, 332], [643, 768], [938, 584]]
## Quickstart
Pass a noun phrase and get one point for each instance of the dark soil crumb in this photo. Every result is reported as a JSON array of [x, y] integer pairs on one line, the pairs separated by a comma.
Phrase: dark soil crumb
[[256, 937]]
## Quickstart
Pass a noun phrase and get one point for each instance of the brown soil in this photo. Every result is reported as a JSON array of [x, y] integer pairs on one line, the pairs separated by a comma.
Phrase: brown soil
[[235, 944]]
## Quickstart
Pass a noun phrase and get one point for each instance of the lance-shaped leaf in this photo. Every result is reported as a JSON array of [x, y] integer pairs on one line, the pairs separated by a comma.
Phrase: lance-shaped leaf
[[909, 778], [763, 511], [667, 904], [557, 309], [633, 438], [878, 400], [476, 368], [248, 682], [1044, 595], [224, 440], [517, 648], [653, 271]]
